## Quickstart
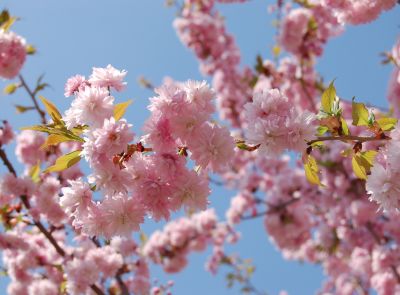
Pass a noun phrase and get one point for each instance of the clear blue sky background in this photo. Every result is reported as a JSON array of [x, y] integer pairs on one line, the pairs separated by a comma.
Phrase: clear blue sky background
[[72, 36]]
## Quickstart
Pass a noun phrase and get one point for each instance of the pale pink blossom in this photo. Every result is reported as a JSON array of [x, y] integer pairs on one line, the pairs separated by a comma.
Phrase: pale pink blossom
[[6, 133], [75, 84], [108, 77], [294, 29], [121, 215], [90, 107], [76, 198], [111, 139], [383, 187], [190, 191], [106, 259], [200, 94], [80, 275], [275, 125], [28, 149], [212, 147], [12, 54], [44, 286]]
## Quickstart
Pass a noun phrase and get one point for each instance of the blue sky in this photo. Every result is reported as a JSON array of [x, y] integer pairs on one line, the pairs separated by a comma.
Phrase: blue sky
[[72, 36]]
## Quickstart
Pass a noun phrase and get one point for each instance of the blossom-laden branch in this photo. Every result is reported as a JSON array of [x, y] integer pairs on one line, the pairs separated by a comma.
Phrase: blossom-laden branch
[[37, 223]]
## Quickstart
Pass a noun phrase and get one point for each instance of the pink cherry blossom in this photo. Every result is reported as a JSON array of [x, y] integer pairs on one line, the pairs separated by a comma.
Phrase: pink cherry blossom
[[91, 106], [275, 125], [75, 84], [383, 187], [108, 77], [6, 133], [12, 54], [212, 147]]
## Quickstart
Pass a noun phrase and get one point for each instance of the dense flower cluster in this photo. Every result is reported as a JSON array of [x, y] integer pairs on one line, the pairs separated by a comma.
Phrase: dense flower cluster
[[156, 183], [275, 125], [182, 236]]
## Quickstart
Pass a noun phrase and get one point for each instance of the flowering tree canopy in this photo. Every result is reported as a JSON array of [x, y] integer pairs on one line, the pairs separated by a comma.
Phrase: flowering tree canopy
[[321, 171]]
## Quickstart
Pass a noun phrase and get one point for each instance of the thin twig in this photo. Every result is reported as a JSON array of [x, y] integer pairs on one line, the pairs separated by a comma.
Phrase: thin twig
[[42, 114], [271, 209], [348, 137]]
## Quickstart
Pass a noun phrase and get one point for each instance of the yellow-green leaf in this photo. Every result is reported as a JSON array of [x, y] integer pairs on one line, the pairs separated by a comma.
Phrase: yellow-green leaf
[[276, 50], [143, 238], [120, 109], [54, 139], [369, 156], [34, 172], [51, 110], [7, 24], [65, 162], [359, 167], [328, 98], [10, 88], [321, 130], [30, 49], [362, 163], [63, 287], [360, 114], [387, 124], [345, 128], [311, 169], [317, 144], [22, 109]]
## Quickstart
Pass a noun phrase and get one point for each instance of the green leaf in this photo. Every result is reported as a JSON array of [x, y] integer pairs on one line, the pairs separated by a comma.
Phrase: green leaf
[[276, 50], [328, 99], [345, 128], [54, 139], [34, 172], [51, 110], [311, 169], [321, 130], [362, 163], [52, 130], [387, 124], [63, 287], [65, 162], [4, 16], [30, 49], [120, 109], [369, 156], [143, 238], [240, 144], [318, 144], [7, 24], [360, 114], [10, 88], [22, 109]]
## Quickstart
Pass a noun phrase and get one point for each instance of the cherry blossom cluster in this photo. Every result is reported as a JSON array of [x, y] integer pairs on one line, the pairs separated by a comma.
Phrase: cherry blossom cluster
[[171, 246], [275, 125], [12, 54], [134, 183]]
